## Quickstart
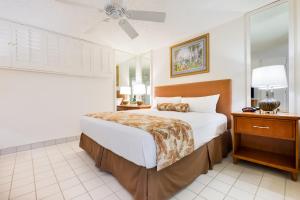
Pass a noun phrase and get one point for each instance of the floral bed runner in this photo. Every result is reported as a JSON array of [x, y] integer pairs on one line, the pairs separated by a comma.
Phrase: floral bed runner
[[173, 137]]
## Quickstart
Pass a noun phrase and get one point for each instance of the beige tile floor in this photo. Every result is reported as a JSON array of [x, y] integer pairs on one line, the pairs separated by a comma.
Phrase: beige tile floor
[[65, 171]]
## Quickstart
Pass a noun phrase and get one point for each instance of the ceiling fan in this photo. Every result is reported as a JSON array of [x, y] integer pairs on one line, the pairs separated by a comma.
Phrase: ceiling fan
[[117, 10]]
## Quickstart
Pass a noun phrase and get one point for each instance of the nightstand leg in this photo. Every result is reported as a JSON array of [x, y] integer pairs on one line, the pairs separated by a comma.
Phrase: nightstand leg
[[235, 160], [294, 176]]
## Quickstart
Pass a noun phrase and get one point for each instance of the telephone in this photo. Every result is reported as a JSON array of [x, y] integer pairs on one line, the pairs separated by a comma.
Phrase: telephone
[[249, 109]]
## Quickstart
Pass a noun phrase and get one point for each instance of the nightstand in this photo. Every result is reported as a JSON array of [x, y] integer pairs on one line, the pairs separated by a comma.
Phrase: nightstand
[[132, 107], [270, 140]]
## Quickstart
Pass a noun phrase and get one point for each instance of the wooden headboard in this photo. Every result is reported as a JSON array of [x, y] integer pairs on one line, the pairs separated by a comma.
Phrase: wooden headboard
[[222, 87]]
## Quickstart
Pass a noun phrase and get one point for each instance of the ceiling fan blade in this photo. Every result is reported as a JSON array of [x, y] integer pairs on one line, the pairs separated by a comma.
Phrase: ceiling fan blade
[[146, 15], [73, 3], [106, 19], [129, 30]]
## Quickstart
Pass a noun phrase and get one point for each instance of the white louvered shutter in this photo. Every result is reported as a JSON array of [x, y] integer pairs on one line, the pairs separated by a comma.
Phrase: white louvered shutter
[[28, 48], [5, 44], [97, 61], [87, 59], [76, 54], [21, 47], [37, 49], [106, 65], [62, 54], [53, 53], [71, 55]]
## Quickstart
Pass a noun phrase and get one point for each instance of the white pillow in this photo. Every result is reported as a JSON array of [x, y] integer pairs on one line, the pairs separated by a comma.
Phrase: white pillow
[[206, 104], [158, 100]]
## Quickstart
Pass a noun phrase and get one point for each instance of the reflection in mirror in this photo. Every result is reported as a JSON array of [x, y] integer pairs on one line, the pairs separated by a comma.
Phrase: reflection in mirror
[[133, 80], [269, 38]]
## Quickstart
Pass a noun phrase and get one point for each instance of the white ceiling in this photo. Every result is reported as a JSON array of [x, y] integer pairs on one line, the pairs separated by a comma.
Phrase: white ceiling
[[184, 19]]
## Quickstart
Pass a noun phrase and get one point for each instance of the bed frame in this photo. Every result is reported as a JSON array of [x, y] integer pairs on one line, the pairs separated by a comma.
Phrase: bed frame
[[150, 184], [222, 87]]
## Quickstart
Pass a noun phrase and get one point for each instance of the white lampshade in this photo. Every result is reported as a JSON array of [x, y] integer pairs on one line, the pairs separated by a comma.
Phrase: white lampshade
[[269, 77], [125, 90], [139, 89], [149, 90]]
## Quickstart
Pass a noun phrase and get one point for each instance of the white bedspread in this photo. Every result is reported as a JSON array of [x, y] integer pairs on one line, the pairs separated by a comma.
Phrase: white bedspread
[[138, 146]]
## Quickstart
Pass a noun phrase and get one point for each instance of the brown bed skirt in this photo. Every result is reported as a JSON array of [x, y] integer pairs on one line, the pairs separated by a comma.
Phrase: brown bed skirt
[[150, 184]]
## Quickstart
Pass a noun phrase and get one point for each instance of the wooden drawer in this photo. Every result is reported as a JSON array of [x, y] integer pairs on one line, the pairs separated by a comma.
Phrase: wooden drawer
[[130, 107], [121, 109], [275, 128]]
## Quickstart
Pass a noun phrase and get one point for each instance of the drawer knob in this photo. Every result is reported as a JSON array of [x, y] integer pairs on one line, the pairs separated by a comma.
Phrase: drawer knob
[[262, 127]]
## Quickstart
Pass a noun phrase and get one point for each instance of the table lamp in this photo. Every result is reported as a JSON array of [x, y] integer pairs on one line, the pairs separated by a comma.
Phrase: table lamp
[[269, 78], [148, 90], [139, 90], [126, 91]]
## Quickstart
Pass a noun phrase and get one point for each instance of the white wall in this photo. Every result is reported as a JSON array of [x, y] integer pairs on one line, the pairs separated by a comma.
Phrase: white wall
[[37, 107], [227, 60], [297, 66]]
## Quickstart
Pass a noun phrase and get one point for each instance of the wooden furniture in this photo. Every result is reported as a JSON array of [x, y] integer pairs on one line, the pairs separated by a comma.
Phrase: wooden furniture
[[267, 139], [132, 107], [254, 103]]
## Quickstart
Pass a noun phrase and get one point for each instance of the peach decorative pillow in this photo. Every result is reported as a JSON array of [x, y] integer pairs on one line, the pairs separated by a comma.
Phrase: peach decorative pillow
[[182, 107], [178, 107]]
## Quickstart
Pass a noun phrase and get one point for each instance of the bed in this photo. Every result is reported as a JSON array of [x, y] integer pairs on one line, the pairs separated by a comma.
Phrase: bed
[[117, 148]]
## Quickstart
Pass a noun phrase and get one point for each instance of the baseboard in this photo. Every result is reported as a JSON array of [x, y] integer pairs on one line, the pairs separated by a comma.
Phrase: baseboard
[[36, 145]]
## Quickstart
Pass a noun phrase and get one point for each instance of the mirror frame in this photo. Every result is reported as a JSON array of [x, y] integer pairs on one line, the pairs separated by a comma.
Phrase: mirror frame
[[291, 50]]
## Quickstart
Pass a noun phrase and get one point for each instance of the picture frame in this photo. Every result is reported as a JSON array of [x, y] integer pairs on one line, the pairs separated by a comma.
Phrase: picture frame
[[190, 57]]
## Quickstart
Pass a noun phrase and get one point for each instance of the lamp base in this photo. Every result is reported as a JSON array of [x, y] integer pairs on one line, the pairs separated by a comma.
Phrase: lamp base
[[125, 102], [139, 103], [269, 105]]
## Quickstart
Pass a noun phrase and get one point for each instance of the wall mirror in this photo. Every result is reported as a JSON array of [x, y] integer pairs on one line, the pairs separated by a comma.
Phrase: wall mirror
[[269, 47], [133, 78]]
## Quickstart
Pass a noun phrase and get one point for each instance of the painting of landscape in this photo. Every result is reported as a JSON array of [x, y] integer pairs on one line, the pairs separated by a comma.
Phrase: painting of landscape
[[190, 57]]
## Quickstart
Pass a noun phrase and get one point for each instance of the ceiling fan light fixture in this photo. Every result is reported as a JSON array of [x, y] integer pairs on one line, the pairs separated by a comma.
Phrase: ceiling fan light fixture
[[115, 9]]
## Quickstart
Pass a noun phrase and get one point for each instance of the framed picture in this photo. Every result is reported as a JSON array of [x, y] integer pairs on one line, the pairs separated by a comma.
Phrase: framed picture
[[190, 57]]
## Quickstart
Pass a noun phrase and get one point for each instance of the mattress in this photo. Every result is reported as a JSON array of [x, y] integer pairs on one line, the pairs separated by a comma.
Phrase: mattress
[[137, 145]]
